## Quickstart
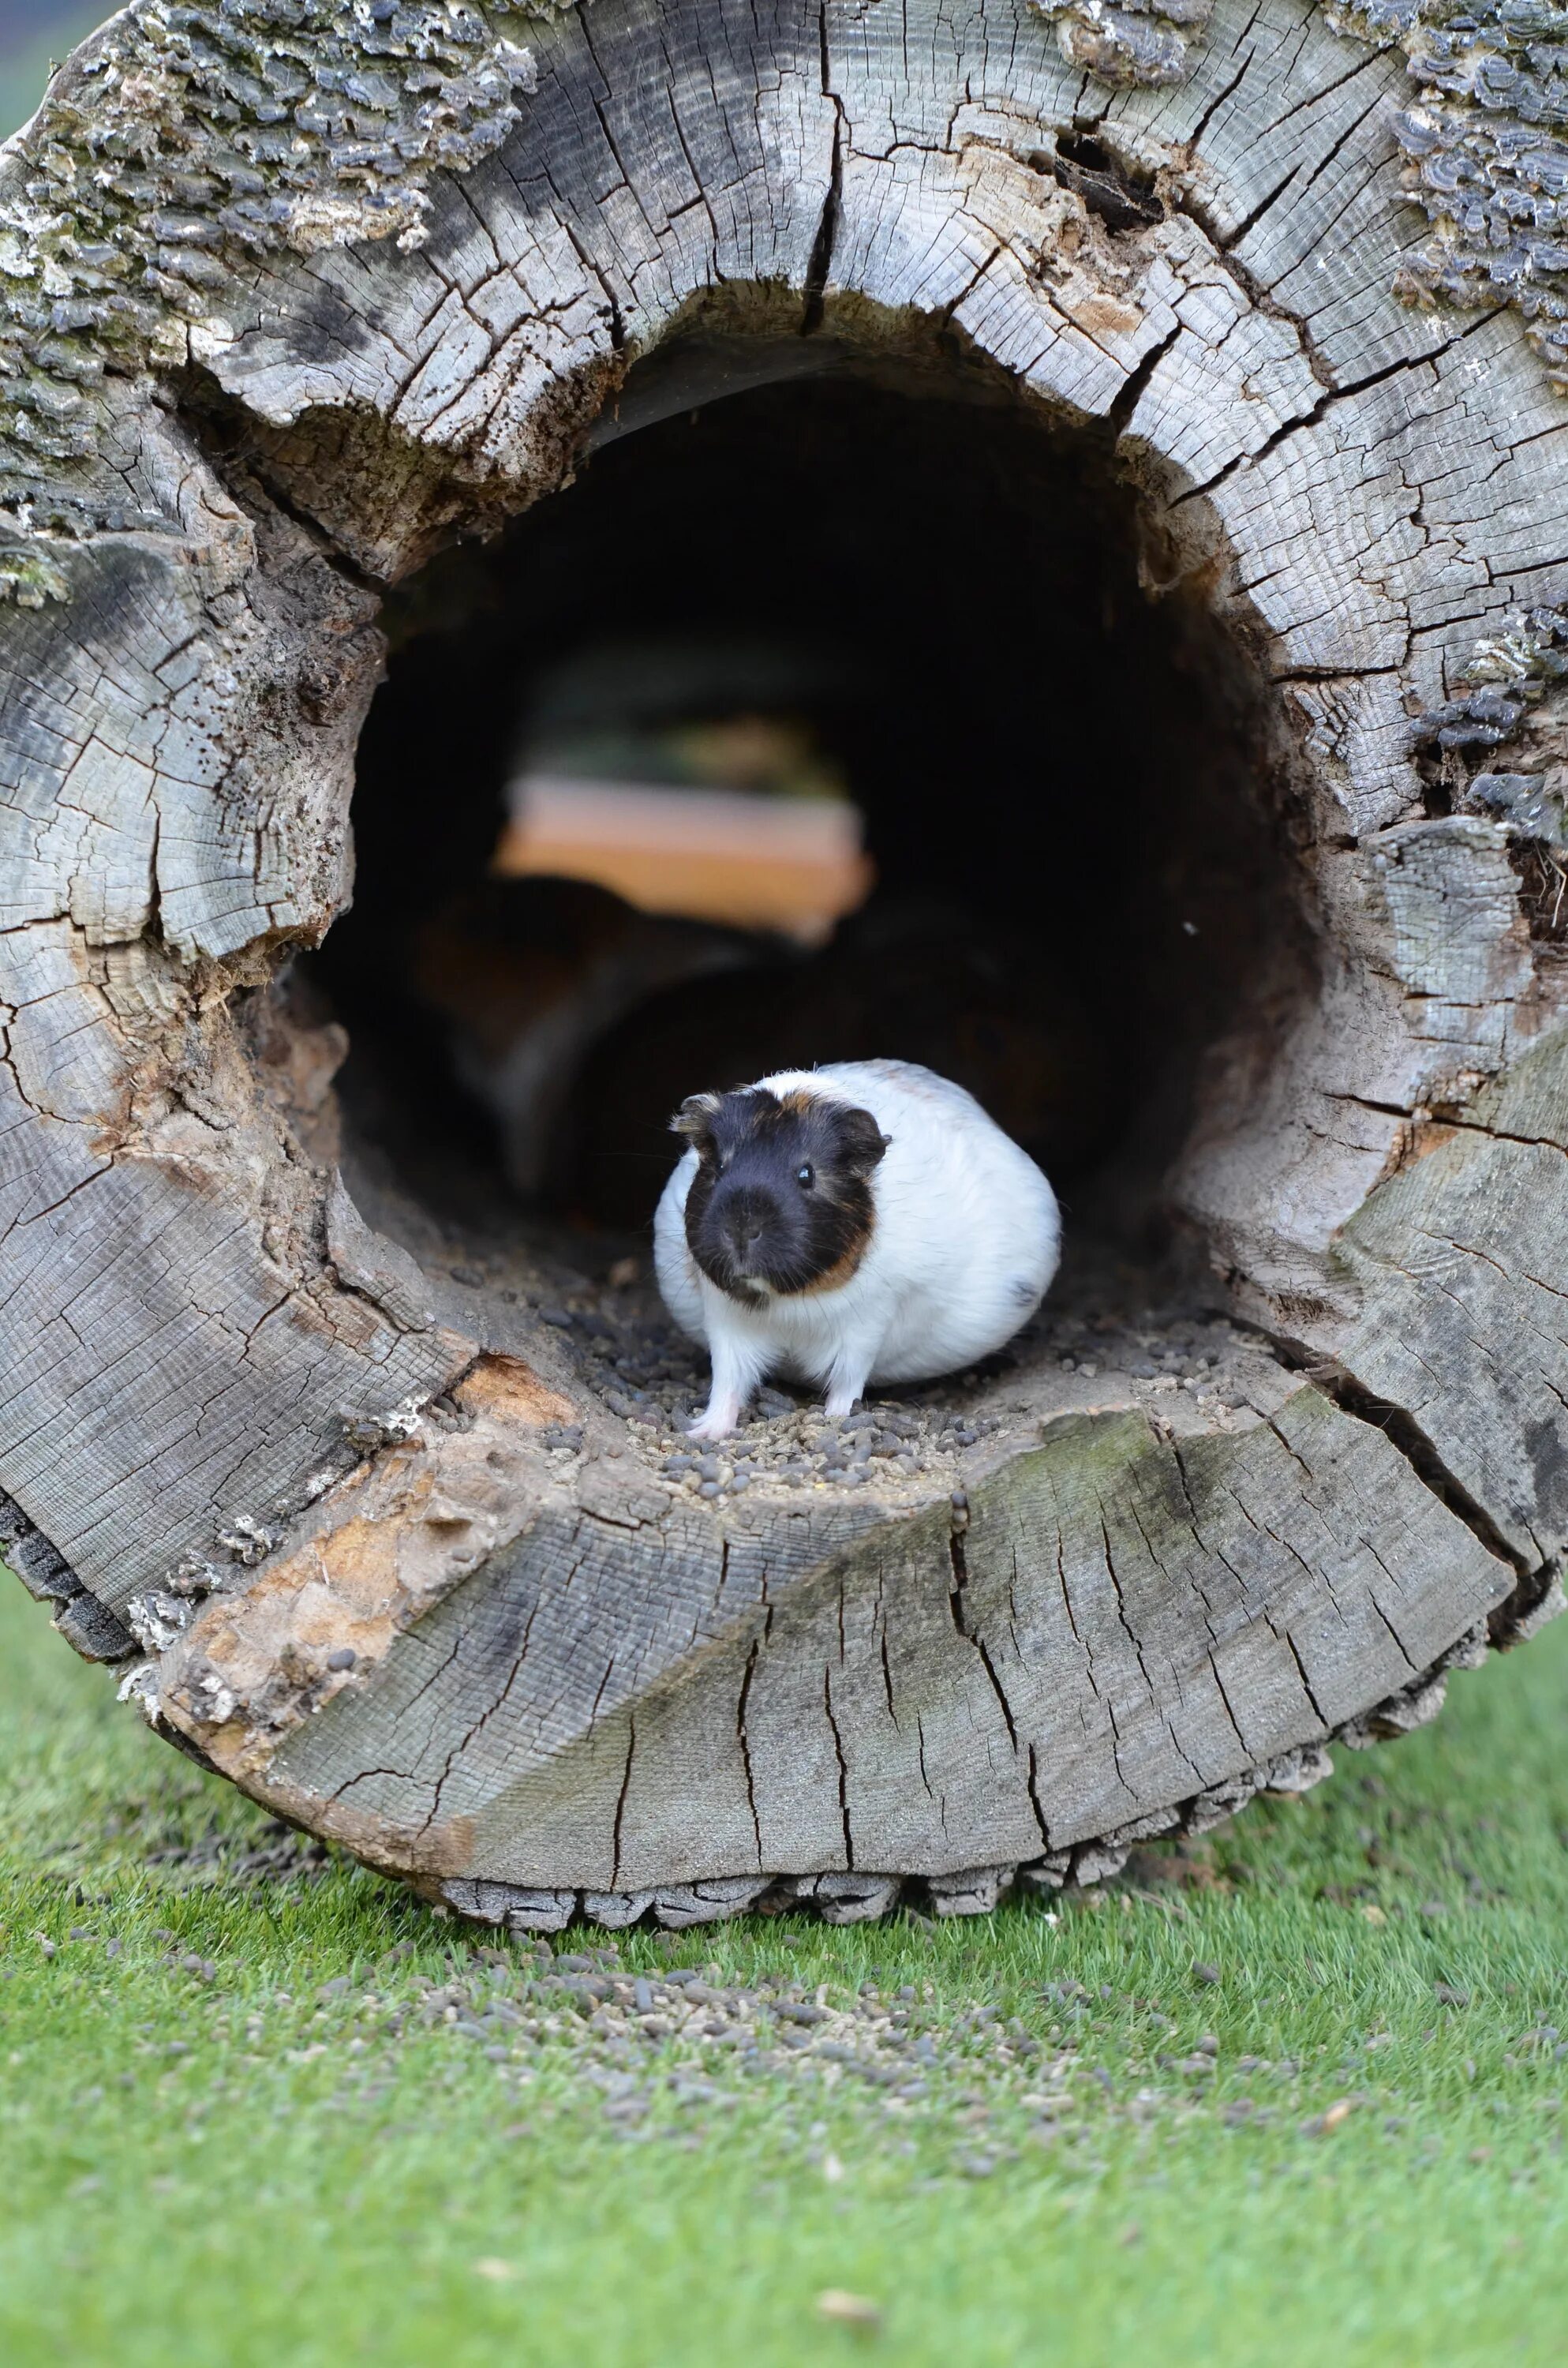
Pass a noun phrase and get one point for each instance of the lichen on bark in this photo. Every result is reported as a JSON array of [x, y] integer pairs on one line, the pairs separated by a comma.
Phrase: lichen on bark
[[1512, 692], [183, 141], [1482, 138], [1488, 163], [1148, 41]]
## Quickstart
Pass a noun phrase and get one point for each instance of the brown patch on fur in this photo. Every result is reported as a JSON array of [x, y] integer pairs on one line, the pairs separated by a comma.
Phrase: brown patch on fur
[[843, 1269]]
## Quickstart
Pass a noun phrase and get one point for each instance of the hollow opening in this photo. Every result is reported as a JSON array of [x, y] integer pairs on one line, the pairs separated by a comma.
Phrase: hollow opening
[[1062, 878]]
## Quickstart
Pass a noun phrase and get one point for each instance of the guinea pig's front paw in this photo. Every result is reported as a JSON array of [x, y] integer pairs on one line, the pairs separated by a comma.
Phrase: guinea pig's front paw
[[719, 1422]]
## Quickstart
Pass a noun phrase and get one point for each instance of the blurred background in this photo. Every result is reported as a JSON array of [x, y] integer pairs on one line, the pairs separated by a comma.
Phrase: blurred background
[[32, 32]]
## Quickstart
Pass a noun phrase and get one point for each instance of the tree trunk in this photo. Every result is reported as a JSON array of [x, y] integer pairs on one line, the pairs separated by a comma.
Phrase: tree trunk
[[297, 293]]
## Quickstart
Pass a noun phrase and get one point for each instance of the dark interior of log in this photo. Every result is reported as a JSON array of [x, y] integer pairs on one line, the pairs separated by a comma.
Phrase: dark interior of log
[[1083, 882]]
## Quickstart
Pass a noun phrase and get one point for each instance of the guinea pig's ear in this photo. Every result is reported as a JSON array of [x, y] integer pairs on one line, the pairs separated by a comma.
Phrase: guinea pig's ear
[[860, 1141], [695, 1120]]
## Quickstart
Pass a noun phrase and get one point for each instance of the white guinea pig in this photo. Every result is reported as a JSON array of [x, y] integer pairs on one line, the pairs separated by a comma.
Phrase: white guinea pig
[[862, 1223]]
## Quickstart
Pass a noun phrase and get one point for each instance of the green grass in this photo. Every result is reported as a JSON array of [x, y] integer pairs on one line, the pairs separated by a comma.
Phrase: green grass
[[233, 2169]]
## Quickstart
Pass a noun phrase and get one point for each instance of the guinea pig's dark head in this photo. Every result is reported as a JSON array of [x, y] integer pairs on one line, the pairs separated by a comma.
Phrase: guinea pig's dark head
[[781, 1200]]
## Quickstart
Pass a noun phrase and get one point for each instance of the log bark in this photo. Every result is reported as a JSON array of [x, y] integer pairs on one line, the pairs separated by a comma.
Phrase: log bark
[[293, 293]]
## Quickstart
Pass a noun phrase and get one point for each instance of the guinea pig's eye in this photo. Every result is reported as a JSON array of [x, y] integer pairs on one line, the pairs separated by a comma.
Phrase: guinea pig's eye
[[804, 1178]]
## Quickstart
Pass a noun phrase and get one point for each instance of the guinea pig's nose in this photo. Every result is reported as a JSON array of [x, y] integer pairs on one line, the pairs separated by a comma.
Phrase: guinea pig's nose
[[745, 1220]]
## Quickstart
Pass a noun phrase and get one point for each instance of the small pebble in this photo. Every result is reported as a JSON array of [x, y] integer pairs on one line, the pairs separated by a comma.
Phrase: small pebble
[[841, 2308]]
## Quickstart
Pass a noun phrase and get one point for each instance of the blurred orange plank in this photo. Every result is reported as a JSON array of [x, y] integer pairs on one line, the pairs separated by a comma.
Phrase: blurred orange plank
[[794, 864]]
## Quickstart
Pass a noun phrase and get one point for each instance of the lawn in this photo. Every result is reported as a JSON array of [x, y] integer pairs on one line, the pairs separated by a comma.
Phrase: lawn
[[1296, 2095]]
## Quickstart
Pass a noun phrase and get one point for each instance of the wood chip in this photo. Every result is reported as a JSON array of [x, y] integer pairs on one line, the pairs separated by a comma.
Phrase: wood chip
[[849, 2309]]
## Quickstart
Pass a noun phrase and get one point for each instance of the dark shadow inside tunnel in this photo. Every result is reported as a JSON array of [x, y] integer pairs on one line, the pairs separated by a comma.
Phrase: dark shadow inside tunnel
[[918, 603]]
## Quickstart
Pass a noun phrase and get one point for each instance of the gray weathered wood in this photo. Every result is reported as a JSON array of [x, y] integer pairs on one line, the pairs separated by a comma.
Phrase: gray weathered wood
[[246, 1444]]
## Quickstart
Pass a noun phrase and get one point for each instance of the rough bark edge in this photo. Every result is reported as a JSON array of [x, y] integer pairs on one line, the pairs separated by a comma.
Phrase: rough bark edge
[[97, 1633], [1483, 164], [303, 134], [1511, 695], [1151, 42], [855, 1899], [1482, 161], [324, 131]]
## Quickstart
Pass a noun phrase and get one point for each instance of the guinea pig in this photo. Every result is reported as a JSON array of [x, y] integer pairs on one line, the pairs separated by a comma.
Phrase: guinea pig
[[860, 1222]]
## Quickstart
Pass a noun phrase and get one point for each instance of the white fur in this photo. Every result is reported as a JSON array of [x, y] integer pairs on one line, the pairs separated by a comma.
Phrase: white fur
[[963, 1246]]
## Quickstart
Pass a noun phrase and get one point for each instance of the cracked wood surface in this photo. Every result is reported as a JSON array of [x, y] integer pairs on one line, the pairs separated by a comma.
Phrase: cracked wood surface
[[198, 1331], [1121, 1624]]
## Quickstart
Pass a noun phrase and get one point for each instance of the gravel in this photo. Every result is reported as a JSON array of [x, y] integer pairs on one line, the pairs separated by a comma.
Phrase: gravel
[[1108, 1338], [666, 2050]]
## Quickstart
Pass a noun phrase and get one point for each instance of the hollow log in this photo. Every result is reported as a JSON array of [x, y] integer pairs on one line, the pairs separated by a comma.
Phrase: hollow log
[[298, 294]]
